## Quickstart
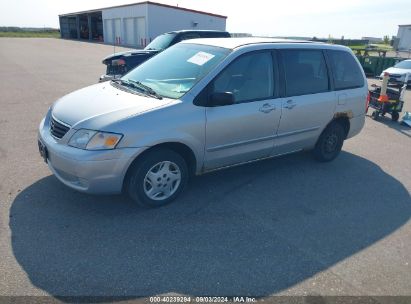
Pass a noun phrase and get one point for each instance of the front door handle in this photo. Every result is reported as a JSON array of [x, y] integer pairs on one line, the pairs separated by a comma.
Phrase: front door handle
[[267, 108], [290, 104]]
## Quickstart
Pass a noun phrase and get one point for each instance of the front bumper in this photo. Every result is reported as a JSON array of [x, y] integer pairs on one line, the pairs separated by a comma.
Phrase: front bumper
[[98, 172], [396, 80]]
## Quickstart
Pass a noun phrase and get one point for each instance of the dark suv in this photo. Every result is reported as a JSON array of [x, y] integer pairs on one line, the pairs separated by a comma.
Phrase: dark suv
[[120, 63]]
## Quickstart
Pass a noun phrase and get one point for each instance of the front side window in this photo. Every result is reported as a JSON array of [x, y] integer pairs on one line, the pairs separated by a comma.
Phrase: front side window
[[173, 72], [249, 77], [347, 74], [305, 72]]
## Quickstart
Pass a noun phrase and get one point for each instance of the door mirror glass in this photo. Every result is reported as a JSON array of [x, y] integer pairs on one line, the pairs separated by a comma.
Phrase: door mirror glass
[[221, 99]]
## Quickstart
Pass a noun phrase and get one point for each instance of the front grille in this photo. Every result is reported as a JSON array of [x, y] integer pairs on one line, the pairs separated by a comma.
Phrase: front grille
[[58, 129]]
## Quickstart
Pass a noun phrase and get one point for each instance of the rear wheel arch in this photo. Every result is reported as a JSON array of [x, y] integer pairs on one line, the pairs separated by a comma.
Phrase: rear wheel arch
[[331, 140], [343, 118]]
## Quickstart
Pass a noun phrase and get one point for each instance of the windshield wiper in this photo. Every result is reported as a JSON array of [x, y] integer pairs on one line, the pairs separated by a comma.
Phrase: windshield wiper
[[145, 88], [139, 86]]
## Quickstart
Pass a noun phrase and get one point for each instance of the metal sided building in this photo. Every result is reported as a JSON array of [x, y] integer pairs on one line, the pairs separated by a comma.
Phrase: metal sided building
[[404, 37], [135, 24]]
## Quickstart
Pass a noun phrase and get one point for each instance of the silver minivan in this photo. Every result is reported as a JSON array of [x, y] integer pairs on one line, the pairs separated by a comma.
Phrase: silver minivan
[[202, 105]]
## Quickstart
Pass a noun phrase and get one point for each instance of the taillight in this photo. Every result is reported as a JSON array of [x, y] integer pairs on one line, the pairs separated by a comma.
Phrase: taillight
[[367, 101], [118, 62]]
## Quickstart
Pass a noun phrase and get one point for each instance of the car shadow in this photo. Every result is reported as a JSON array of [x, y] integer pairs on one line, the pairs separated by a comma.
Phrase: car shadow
[[250, 230]]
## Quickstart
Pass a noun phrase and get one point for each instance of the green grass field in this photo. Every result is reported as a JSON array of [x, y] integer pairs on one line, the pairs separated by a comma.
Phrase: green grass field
[[385, 47], [30, 34]]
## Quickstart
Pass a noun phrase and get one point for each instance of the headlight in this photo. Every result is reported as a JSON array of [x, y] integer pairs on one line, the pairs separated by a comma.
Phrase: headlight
[[94, 140]]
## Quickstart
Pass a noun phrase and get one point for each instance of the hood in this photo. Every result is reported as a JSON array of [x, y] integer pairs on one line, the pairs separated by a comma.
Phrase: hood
[[102, 104], [393, 70], [129, 53]]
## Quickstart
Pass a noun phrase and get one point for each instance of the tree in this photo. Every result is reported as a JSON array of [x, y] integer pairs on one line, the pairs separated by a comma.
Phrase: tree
[[386, 39]]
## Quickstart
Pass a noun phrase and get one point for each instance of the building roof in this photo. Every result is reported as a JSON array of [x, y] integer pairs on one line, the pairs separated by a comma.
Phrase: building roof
[[404, 25], [146, 2]]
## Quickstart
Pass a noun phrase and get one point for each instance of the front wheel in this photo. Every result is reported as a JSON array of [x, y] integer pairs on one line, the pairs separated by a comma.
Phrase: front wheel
[[330, 142], [157, 179]]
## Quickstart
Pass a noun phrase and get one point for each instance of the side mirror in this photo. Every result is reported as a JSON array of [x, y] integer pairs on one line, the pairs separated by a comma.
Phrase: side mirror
[[221, 99]]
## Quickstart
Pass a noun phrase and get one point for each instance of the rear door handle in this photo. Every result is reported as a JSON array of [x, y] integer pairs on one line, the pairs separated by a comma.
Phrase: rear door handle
[[289, 104], [267, 108]]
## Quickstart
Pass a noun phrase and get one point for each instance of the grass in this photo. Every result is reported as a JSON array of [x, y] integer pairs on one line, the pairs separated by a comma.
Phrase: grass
[[31, 34], [384, 47], [357, 47]]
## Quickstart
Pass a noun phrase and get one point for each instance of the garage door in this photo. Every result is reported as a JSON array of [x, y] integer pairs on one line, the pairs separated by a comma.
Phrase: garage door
[[117, 31], [108, 31], [141, 31], [130, 34]]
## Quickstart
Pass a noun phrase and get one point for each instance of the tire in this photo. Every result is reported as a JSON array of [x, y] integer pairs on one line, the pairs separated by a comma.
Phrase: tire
[[330, 142], [144, 176], [375, 115], [395, 116]]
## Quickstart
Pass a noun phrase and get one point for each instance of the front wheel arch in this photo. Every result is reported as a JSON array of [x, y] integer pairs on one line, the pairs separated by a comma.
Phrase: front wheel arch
[[183, 150]]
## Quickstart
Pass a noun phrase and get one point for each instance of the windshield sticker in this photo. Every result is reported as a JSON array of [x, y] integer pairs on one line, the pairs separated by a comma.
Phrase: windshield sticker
[[200, 58]]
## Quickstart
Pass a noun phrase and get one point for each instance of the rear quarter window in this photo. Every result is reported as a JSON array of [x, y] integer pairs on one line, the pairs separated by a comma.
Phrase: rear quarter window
[[346, 72]]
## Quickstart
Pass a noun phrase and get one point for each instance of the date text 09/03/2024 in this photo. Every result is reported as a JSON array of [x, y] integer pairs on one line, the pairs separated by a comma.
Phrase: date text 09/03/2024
[[188, 299]]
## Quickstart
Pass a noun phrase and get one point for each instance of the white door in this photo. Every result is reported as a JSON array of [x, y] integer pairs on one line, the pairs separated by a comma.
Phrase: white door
[[130, 34], [117, 31], [108, 31], [141, 31]]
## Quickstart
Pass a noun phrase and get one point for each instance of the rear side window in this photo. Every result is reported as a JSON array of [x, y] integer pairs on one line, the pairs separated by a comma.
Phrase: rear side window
[[188, 36], [214, 34], [346, 72], [305, 72]]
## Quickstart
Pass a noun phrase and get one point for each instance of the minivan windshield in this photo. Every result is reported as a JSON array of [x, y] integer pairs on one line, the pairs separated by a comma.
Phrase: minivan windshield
[[160, 42], [403, 65], [175, 71]]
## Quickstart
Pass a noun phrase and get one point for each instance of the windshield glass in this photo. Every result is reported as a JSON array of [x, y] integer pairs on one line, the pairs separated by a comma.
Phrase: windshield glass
[[403, 65], [175, 71], [160, 42]]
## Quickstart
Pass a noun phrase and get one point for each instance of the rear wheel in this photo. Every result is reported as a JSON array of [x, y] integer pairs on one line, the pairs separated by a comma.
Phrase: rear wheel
[[395, 116], [157, 179], [330, 142]]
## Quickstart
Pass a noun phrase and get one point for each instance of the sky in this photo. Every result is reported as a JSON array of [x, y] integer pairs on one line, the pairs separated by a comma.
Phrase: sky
[[319, 18]]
